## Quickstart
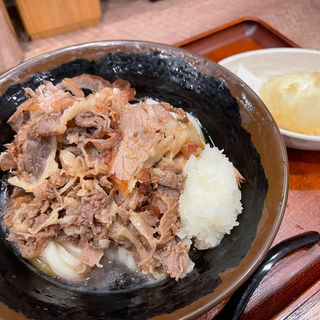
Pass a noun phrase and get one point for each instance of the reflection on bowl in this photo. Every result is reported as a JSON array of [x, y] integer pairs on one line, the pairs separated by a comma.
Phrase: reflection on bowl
[[201, 87], [255, 67]]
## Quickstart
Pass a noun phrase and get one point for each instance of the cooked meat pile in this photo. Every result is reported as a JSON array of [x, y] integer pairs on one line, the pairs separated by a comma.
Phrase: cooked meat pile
[[97, 171]]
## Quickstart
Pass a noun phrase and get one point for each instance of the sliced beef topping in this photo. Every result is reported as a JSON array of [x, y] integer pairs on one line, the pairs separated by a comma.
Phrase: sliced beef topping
[[98, 152], [139, 130], [172, 180], [159, 198], [91, 256], [96, 125], [75, 135], [147, 176], [124, 216], [169, 223], [22, 115], [104, 182], [84, 81], [176, 260], [93, 170], [42, 221], [175, 165], [189, 149], [7, 161], [47, 125], [104, 145], [30, 246], [45, 191], [127, 93], [35, 154], [145, 224]]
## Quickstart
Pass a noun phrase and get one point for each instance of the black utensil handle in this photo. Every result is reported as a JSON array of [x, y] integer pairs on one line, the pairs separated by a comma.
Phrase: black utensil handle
[[237, 303]]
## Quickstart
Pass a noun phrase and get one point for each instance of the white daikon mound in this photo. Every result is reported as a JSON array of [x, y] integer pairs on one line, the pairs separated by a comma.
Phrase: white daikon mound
[[211, 200]]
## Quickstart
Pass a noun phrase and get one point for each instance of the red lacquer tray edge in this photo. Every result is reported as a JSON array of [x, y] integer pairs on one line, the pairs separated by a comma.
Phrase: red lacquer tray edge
[[233, 23]]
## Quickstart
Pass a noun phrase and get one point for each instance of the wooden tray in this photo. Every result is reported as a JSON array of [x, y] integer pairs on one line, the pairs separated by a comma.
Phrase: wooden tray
[[291, 290], [238, 36]]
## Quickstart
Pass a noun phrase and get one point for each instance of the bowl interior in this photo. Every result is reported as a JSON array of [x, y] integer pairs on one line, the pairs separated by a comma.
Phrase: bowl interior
[[201, 88]]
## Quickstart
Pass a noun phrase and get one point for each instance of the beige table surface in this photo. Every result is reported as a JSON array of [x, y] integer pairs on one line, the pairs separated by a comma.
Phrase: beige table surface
[[171, 21]]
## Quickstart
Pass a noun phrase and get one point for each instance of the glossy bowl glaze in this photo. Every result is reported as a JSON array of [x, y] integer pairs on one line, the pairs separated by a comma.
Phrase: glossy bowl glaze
[[252, 142]]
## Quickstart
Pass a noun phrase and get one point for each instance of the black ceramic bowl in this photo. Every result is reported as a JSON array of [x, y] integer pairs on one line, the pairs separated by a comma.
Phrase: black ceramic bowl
[[234, 119]]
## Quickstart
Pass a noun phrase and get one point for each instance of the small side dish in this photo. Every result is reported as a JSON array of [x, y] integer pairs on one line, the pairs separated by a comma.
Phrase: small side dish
[[287, 81], [95, 175]]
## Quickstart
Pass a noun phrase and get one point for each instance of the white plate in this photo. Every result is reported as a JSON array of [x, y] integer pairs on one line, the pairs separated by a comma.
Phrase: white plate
[[255, 67]]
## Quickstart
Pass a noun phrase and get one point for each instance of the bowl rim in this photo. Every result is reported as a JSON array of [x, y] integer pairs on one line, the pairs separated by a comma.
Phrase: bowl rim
[[268, 51], [208, 303], [300, 136]]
